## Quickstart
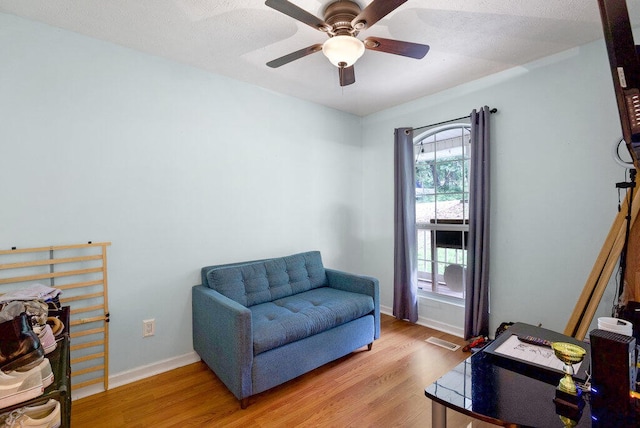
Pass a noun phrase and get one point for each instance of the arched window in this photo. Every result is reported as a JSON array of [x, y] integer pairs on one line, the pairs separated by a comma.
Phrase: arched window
[[442, 159]]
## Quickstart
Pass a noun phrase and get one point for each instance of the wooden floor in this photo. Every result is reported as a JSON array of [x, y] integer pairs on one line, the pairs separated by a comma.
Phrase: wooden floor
[[383, 387]]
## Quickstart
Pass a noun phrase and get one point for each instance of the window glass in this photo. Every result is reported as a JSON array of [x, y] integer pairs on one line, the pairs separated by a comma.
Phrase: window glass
[[442, 208]]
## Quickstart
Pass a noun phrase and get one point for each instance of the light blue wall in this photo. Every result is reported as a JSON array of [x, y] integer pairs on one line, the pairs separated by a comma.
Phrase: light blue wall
[[554, 197], [177, 167], [180, 168]]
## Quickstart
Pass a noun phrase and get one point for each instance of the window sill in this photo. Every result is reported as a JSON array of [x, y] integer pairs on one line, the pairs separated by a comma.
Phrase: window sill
[[449, 300]]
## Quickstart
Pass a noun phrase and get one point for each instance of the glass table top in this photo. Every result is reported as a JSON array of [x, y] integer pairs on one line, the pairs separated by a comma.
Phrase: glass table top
[[506, 392]]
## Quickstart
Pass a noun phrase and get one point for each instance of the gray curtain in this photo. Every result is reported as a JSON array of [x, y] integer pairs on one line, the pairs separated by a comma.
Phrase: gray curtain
[[477, 281], [405, 272]]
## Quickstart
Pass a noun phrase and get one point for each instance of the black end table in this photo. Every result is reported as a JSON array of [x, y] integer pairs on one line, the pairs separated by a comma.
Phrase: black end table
[[510, 393]]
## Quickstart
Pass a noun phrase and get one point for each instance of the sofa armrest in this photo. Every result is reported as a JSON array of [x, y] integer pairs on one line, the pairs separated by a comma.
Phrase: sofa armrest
[[358, 284], [223, 337]]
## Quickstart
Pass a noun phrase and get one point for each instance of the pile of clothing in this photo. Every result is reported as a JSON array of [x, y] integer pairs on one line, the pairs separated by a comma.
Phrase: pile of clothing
[[27, 334]]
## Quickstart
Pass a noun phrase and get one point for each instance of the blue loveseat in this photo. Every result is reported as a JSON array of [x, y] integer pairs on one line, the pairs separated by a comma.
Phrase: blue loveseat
[[261, 323]]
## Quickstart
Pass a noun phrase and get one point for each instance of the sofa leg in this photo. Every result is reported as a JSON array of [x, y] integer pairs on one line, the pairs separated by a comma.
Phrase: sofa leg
[[244, 403], [369, 346]]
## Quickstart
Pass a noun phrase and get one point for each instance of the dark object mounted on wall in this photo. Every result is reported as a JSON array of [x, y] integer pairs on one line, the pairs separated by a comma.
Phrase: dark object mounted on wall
[[625, 70]]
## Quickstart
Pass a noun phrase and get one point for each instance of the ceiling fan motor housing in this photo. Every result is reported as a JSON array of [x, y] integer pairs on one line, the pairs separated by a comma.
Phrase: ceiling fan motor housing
[[339, 16]]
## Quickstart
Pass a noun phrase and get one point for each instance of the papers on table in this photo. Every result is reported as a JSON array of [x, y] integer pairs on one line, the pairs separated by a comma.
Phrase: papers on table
[[540, 355]]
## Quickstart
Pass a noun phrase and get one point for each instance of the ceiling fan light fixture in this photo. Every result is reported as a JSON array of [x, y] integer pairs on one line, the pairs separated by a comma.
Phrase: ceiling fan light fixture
[[343, 51]]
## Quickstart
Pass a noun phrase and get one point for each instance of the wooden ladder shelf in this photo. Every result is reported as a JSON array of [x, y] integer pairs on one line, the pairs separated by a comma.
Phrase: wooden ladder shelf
[[603, 268]]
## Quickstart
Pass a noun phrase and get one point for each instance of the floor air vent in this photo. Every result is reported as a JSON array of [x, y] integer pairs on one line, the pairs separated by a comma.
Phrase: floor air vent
[[443, 343]]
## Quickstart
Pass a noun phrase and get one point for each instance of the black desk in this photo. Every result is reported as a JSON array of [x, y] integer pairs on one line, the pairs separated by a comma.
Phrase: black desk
[[504, 392]]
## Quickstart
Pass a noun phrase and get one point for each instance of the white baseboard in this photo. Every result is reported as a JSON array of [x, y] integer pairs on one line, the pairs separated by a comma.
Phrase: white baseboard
[[138, 373], [386, 310], [440, 326], [431, 323]]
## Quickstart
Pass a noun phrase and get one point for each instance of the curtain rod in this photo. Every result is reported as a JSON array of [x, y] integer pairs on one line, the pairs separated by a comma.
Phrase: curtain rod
[[493, 110]]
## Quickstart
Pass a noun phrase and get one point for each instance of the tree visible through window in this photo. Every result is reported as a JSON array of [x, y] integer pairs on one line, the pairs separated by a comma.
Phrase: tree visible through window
[[442, 158]]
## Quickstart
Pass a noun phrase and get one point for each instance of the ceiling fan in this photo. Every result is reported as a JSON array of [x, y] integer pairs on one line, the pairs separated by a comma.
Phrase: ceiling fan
[[343, 20]]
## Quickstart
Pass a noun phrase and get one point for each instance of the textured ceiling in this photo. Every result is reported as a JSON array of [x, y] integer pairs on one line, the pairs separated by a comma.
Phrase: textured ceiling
[[469, 39]]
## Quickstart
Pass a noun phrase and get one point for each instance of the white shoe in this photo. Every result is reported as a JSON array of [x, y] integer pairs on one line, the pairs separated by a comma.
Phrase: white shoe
[[45, 372], [46, 415], [46, 337], [16, 387]]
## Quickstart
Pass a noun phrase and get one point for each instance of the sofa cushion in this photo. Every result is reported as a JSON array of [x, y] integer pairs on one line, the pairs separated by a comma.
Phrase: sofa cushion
[[295, 317], [253, 283]]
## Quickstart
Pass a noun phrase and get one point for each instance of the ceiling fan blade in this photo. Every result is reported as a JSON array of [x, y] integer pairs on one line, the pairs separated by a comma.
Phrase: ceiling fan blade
[[298, 13], [294, 56], [347, 75], [374, 12], [396, 47]]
